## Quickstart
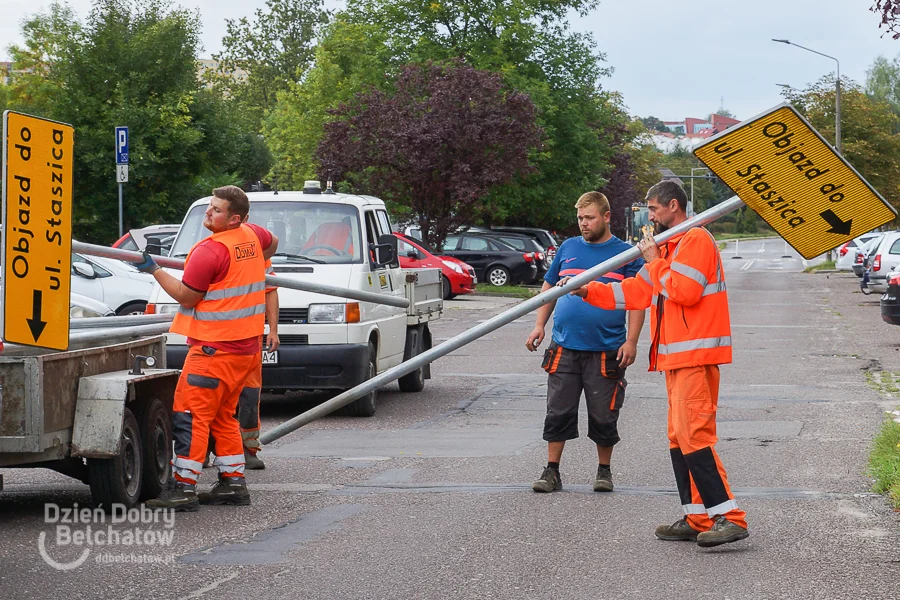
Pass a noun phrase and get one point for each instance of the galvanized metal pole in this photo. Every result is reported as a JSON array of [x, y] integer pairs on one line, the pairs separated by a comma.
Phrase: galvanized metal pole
[[91, 336], [490, 325], [124, 321], [306, 286]]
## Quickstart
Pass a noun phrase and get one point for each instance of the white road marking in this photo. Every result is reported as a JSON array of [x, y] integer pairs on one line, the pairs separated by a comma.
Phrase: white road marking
[[762, 248], [747, 265]]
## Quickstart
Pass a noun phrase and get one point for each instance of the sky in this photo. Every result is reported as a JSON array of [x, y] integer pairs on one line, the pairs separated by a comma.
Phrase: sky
[[671, 59]]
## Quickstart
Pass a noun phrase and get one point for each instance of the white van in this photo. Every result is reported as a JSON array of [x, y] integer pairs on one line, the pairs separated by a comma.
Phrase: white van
[[329, 342]]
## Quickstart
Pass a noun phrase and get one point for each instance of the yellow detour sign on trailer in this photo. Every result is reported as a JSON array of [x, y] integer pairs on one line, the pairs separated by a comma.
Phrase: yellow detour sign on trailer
[[37, 230], [785, 171]]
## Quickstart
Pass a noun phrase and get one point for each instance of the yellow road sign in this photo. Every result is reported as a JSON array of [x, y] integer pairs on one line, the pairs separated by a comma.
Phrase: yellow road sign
[[37, 230], [785, 171]]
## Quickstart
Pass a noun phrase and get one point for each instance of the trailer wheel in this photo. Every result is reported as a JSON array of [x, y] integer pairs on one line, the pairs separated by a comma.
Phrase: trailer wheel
[[415, 381], [118, 480], [156, 436], [365, 406]]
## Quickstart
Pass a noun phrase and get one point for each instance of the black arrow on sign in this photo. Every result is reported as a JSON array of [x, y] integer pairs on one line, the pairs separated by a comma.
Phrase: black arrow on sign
[[838, 225], [35, 323]]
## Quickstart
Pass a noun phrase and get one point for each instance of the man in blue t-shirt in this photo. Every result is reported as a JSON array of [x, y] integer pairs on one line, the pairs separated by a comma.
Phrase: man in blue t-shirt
[[590, 349]]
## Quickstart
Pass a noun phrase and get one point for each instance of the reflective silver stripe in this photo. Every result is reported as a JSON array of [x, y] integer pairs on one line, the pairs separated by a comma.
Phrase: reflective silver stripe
[[231, 469], [714, 288], [618, 295], [694, 509], [644, 274], [721, 509], [234, 459], [184, 463], [228, 315], [700, 344], [234, 292], [690, 273]]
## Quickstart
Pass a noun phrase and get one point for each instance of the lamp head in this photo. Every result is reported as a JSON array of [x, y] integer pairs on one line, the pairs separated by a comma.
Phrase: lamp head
[[781, 41]]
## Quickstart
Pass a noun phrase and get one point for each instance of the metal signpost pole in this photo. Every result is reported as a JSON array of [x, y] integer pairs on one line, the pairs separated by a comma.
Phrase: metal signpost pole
[[121, 168], [491, 324]]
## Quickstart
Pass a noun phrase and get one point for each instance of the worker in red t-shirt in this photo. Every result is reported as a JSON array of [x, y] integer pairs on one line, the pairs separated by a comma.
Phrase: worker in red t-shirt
[[222, 314]]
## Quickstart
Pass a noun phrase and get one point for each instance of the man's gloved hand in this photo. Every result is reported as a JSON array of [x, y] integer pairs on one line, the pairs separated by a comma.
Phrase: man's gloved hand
[[148, 265]]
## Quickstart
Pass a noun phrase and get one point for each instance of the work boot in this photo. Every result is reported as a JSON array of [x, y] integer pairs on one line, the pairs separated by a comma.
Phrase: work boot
[[679, 531], [177, 495], [603, 482], [228, 490], [548, 482], [723, 531], [252, 462]]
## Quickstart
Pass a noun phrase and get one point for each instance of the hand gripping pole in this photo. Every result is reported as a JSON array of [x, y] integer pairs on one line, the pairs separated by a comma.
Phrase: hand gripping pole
[[491, 324]]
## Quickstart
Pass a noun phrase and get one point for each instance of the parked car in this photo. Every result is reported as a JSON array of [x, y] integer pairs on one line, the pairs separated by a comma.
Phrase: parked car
[[112, 282], [137, 240], [890, 301], [546, 239], [862, 260], [847, 253], [495, 262], [885, 256], [458, 277], [524, 243], [81, 307]]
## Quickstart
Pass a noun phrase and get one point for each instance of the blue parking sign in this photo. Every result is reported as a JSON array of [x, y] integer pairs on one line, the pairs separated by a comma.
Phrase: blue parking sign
[[121, 145]]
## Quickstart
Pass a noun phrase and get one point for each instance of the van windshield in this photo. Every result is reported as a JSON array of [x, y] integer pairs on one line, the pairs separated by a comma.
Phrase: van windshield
[[307, 231]]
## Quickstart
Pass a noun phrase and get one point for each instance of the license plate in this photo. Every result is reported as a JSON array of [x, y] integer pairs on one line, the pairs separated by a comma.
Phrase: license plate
[[270, 358]]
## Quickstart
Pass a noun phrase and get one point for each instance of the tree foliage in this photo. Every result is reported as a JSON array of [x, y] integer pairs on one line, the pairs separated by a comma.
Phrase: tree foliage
[[130, 63], [889, 12], [437, 145], [274, 51], [654, 124]]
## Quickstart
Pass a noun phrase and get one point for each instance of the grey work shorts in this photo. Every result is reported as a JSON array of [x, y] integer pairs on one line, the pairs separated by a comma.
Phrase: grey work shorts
[[601, 378]]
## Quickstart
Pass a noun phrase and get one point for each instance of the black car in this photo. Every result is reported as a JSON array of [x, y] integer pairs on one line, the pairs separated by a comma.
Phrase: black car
[[542, 236], [890, 301], [494, 261], [524, 244]]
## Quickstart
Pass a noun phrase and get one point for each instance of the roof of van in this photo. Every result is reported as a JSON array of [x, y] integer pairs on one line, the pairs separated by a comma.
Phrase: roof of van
[[294, 196]]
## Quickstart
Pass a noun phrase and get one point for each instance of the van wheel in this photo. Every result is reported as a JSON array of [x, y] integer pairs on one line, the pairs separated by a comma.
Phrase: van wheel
[[156, 434], [118, 480], [498, 276], [365, 406], [415, 381]]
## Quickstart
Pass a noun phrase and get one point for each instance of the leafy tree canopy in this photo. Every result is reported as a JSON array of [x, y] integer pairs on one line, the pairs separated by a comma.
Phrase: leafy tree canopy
[[654, 124]]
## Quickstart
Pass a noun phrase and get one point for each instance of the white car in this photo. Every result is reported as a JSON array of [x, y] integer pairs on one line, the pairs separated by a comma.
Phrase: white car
[[847, 252], [112, 282], [81, 307], [884, 258]]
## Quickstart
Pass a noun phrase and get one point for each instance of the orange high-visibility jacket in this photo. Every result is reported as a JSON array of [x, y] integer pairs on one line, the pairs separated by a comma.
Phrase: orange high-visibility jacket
[[233, 308], [685, 290]]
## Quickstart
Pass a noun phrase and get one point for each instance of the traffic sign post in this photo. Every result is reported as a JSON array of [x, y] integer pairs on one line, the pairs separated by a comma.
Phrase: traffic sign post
[[785, 171], [37, 222], [121, 166]]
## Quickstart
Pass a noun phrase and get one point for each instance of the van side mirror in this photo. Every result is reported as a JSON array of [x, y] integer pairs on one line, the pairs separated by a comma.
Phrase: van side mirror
[[385, 252]]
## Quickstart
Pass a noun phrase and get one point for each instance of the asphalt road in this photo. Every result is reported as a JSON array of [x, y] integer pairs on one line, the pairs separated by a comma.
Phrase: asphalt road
[[431, 497]]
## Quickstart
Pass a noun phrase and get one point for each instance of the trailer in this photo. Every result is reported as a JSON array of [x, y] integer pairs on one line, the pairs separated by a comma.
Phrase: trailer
[[100, 414]]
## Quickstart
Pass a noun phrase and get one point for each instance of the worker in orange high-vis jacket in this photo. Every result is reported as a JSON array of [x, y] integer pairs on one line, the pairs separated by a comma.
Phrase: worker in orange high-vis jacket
[[222, 314], [683, 283]]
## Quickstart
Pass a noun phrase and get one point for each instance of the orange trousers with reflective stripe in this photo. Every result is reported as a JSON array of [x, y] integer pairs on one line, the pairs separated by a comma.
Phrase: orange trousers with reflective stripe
[[206, 401], [702, 483]]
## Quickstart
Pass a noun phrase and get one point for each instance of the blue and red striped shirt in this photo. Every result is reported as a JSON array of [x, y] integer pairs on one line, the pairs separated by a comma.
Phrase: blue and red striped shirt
[[576, 324]]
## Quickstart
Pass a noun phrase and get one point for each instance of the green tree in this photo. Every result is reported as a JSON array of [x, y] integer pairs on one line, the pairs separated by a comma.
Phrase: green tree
[[129, 63], [274, 51], [654, 124]]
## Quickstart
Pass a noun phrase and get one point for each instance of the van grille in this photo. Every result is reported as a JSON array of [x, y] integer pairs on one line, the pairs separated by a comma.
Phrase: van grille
[[291, 339], [293, 316]]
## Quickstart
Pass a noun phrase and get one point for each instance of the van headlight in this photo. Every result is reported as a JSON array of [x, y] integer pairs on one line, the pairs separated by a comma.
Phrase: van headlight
[[326, 313]]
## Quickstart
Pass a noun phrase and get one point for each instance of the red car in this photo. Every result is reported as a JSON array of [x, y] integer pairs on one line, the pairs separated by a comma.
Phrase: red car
[[459, 278]]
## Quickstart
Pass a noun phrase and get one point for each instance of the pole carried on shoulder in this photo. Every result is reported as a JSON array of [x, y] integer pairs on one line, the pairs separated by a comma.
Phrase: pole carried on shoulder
[[306, 286], [491, 324]]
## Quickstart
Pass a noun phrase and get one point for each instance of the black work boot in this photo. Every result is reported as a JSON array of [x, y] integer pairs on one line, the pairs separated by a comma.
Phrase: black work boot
[[679, 531], [549, 481], [723, 531], [603, 482], [176, 495], [252, 462], [228, 490]]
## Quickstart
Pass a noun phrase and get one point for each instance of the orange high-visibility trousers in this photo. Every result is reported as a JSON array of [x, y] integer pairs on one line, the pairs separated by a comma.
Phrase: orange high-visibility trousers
[[206, 401], [248, 409], [702, 483]]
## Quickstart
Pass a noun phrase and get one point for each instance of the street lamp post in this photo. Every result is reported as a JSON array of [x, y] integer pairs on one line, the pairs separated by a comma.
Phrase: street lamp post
[[837, 99]]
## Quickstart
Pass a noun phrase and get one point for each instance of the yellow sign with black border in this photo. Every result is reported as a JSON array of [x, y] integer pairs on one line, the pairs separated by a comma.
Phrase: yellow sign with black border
[[37, 230], [786, 172]]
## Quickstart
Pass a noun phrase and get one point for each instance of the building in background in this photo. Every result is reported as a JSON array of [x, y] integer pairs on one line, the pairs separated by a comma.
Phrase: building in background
[[691, 131]]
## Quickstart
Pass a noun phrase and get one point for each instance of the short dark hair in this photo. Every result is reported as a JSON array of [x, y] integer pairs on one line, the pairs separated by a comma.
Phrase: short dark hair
[[667, 189], [238, 203]]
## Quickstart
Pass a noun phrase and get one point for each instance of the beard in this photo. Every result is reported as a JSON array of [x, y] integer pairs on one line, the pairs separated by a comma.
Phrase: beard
[[659, 228], [593, 236]]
